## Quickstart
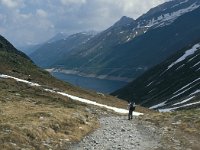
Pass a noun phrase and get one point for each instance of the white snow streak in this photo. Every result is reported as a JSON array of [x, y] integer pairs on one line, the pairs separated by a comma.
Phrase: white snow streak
[[118, 110], [180, 93], [184, 101], [196, 64], [167, 18], [192, 58], [180, 3], [197, 91], [180, 67], [158, 105], [149, 84], [19, 80], [186, 86], [187, 53], [174, 108]]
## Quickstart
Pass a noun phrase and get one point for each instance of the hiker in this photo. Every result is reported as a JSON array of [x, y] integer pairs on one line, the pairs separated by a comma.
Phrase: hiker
[[131, 108]]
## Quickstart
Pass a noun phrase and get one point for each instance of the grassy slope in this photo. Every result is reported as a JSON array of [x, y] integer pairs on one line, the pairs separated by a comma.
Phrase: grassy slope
[[34, 119], [178, 129], [18, 66]]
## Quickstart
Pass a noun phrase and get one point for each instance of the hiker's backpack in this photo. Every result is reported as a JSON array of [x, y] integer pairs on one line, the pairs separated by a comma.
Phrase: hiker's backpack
[[132, 107]]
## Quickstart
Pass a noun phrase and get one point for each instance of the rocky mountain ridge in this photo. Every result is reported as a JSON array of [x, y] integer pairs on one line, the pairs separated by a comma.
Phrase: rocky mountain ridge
[[119, 52]]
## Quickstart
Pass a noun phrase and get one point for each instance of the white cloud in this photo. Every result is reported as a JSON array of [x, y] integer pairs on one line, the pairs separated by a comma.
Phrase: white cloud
[[35, 21], [68, 2], [41, 13], [11, 3]]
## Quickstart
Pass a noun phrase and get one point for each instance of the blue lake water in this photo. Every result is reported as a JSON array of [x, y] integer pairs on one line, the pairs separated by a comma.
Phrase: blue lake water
[[99, 85]]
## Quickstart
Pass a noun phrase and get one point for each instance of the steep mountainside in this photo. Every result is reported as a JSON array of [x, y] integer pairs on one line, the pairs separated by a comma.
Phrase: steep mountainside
[[174, 84], [57, 47], [17, 64], [34, 117], [166, 13], [5, 46], [130, 47]]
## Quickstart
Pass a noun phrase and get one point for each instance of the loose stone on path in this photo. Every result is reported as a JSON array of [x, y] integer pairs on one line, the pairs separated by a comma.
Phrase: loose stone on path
[[118, 133]]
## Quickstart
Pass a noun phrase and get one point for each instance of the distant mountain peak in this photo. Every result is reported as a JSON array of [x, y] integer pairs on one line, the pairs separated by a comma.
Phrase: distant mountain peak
[[90, 32], [58, 36], [124, 21]]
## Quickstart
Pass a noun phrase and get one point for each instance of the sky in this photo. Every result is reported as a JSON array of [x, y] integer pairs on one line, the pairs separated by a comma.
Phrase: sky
[[25, 22]]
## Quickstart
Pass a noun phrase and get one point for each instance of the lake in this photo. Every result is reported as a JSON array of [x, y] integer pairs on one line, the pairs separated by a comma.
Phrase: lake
[[98, 85]]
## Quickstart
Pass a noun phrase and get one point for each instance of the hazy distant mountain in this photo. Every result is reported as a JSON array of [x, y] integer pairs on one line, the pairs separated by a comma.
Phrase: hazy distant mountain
[[173, 84], [130, 47], [58, 36], [52, 51], [30, 48]]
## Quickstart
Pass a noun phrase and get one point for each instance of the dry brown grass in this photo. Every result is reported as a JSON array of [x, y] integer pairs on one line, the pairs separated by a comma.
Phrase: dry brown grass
[[26, 125], [182, 126], [33, 119]]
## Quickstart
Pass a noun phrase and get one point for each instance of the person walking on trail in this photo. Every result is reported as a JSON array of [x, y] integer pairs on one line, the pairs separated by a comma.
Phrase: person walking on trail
[[131, 108]]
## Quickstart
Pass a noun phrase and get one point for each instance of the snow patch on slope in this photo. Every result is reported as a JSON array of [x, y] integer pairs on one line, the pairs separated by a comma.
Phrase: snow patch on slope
[[19, 80], [174, 108], [118, 110], [158, 105], [180, 3], [168, 18], [184, 101], [187, 53], [187, 85], [197, 91]]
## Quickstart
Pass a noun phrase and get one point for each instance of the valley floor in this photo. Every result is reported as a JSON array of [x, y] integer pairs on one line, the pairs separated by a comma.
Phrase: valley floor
[[34, 117]]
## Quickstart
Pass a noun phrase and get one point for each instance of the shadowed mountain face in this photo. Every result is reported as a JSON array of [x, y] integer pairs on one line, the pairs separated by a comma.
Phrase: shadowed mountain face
[[16, 63], [6, 46], [129, 47], [173, 84]]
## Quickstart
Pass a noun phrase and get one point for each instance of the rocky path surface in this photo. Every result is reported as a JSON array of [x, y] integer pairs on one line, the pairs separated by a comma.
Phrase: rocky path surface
[[118, 133]]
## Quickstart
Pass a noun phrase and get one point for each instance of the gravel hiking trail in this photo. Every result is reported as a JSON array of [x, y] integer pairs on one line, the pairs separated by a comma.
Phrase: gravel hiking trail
[[119, 133]]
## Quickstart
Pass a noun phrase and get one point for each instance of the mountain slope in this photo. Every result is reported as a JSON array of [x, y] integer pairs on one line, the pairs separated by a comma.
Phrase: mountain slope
[[43, 117], [52, 51], [32, 117], [167, 13], [5, 46], [17, 64], [31, 48], [173, 84], [120, 53]]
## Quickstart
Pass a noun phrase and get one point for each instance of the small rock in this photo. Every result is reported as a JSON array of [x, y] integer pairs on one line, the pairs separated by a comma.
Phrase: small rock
[[95, 142], [123, 130], [41, 118]]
